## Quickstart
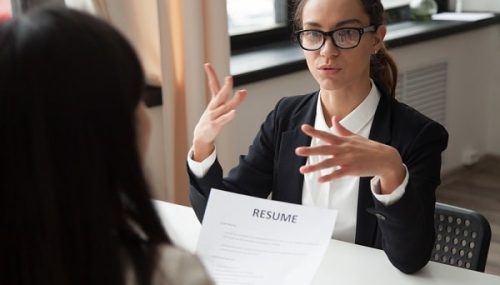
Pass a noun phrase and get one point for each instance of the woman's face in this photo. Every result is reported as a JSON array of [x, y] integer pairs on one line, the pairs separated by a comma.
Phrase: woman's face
[[334, 68], [143, 128]]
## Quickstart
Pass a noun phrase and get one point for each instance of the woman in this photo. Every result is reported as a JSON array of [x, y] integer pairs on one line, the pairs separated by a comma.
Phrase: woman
[[349, 146], [75, 207]]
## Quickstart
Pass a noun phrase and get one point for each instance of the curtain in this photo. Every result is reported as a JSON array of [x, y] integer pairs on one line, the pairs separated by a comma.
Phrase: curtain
[[5, 10], [173, 39], [192, 32]]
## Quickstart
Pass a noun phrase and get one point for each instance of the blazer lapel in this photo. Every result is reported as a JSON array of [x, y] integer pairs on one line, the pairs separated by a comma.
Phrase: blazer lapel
[[289, 180], [366, 227]]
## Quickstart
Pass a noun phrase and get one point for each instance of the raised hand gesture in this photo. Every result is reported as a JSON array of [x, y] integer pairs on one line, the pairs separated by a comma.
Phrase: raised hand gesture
[[354, 155], [220, 110]]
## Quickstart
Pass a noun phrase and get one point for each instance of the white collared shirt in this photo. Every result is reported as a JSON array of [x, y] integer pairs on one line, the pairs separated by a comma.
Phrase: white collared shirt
[[340, 194]]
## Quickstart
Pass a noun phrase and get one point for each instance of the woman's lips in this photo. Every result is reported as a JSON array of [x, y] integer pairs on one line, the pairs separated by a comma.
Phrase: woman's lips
[[329, 69]]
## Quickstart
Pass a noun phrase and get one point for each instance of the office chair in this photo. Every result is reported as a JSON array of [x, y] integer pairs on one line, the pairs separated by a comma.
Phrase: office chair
[[462, 237]]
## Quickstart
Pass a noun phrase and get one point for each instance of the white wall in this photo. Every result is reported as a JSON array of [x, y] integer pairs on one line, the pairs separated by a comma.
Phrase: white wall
[[472, 73], [493, 107], [473, 99]]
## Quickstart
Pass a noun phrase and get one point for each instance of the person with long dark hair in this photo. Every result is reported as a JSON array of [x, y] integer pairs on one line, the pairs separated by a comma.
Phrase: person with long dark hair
[[74, 204], [349, 146]]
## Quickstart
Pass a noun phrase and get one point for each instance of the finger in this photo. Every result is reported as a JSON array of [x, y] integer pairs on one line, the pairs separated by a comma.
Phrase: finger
[[324, 164], [237, 99], [324, 136], [339, 173], [213, 82], [234, 102], [219, 111], [223, 94], [340, 129], [317, 150], [226, 118]]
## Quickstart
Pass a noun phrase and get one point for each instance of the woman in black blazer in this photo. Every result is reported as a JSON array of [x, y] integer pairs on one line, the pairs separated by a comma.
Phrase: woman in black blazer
[[349, 146]]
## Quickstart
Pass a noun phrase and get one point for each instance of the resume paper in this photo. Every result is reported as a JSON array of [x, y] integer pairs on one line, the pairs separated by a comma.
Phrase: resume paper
[[248, 240]]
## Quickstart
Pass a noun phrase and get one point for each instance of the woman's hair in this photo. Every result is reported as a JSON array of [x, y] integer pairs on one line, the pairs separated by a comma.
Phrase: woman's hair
[[383, 69], [74, 204]]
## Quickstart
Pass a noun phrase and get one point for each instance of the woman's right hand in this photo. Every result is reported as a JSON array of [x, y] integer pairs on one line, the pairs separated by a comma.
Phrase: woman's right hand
[[220, 110]]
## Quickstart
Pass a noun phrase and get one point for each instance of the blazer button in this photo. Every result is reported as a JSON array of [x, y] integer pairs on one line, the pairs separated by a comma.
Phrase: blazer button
[[380, 216]]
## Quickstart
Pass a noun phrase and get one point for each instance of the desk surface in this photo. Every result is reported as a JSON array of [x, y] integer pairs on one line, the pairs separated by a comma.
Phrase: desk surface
[[347, 263], [343, 263]]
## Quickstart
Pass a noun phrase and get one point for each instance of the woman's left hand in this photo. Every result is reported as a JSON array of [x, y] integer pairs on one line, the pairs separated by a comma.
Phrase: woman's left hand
[[355, 156]]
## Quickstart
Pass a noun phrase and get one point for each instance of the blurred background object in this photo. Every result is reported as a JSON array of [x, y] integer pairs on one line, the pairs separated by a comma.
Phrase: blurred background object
[[5, 10], [422, 10]]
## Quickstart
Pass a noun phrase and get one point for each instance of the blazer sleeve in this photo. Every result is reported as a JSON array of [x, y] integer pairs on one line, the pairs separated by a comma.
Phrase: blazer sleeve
[[407, 227], [252, 176]]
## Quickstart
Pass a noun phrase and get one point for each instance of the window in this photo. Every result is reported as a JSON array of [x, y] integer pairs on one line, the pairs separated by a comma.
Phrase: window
[[259, 22], [253, 16]]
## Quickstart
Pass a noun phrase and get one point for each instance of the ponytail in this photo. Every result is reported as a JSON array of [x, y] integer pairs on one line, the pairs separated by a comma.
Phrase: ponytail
[[384, 71]]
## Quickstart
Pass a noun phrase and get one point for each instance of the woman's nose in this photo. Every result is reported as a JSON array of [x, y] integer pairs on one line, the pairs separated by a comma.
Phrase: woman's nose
[[329, 48]]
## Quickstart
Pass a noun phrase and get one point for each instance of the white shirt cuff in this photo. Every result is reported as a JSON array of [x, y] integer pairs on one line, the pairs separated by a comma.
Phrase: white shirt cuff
[[389, 199], [199, 169]]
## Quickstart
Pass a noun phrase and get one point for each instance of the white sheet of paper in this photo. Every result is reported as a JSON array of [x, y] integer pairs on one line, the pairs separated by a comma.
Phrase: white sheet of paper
[[181, 224], [248, 240]]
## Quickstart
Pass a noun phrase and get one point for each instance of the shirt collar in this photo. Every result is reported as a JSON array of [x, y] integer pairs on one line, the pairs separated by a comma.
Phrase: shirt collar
[[357, 118]]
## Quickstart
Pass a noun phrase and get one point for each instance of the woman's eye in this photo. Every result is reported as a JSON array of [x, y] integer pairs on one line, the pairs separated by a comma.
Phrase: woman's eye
[[314, 35]]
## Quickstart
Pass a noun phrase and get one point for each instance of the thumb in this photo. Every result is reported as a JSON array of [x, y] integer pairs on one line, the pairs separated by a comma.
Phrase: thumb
[[340, 129]]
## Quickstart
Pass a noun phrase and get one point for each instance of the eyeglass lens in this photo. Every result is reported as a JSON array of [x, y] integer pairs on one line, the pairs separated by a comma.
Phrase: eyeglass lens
[[343, 38]]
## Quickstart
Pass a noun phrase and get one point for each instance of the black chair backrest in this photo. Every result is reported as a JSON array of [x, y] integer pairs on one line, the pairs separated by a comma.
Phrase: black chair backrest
[[462, 237]]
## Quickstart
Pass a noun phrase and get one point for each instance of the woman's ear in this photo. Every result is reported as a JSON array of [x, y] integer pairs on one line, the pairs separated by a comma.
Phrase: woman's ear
[[378, 38]]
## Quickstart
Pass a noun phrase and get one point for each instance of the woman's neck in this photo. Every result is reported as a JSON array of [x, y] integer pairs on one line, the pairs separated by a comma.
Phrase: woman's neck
[[341, 102]]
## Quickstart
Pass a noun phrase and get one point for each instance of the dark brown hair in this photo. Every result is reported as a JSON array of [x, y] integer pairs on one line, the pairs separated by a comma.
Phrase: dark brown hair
[[383, 69]]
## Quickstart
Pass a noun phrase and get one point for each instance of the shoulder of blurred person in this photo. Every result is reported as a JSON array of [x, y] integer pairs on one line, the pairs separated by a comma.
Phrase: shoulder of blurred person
[[176, 266]]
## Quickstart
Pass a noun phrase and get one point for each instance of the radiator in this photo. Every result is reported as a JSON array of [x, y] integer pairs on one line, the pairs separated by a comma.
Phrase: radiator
[[424, 89]]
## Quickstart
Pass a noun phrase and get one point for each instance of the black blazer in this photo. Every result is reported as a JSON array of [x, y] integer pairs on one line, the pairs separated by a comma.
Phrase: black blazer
[[404, 230]]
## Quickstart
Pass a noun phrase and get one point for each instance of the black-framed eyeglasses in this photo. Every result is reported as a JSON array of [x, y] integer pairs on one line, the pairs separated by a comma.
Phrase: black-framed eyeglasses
[[344, 38]]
